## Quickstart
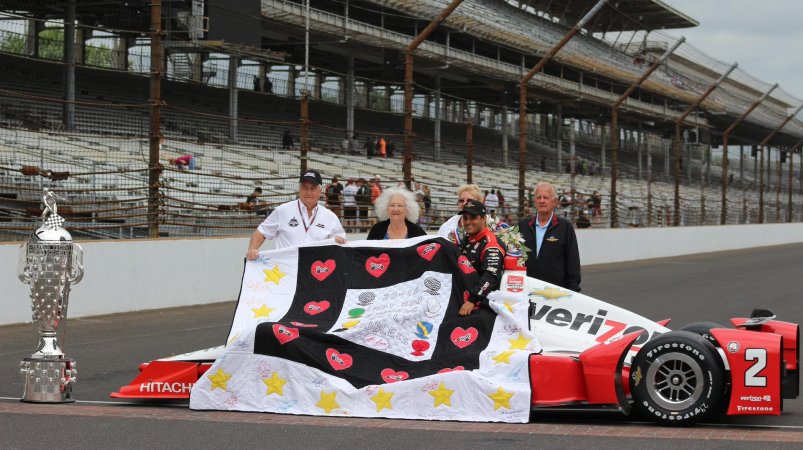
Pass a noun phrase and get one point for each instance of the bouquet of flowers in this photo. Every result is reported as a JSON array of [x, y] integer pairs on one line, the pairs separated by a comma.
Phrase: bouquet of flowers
[[510, 237]]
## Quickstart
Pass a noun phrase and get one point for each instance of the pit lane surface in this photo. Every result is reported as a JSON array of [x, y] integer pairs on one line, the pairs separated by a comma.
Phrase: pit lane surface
[[708, 287]]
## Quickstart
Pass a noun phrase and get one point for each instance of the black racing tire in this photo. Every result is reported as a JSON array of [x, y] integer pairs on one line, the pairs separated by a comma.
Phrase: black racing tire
[[677, 379], [703, 329]]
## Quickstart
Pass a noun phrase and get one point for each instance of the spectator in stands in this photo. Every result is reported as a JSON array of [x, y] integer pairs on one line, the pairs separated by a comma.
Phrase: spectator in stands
[[334, 196], [350, 204], [381, 147], [582, 221], [451, 228], [268, 85], [369, 147], [287, 140], [391, 146], [398, 213], [185, 161], [252, 202], [554, 256], [501, 199], [419, 199], [378, 181], [596, 204], [485, 254], [298, 221], [363, 199], [252, 199], [427, 198], [565, 200], [580, 201], [345, 146], [376, 190], [543, 163], [492, 201], [354, 144]]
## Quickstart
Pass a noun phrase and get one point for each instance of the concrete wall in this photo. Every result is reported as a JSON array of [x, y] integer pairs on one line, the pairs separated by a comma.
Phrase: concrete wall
[[143, 274]]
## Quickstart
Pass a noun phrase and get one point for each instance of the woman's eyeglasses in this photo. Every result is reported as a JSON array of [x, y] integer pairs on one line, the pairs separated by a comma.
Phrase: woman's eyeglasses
[[463, 200]]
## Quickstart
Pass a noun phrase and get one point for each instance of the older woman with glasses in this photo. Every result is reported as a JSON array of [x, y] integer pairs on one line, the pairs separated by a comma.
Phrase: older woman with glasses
[[449, 228], [398, 213]]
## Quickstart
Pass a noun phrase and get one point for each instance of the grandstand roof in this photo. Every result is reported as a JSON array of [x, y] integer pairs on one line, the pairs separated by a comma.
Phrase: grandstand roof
[[130, 15], [627, 15]]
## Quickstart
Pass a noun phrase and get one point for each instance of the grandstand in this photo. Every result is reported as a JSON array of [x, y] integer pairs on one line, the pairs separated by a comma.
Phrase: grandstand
[[229, 93]]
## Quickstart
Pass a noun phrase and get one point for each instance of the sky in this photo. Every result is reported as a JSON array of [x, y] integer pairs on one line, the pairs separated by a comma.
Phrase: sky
[[765, 37]]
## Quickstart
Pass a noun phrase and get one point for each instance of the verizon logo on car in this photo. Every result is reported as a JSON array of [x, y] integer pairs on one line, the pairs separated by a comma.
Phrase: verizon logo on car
[[593, 324], [755, 398]]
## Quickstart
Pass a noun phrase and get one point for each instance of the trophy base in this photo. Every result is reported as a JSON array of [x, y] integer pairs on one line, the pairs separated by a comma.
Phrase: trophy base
[[48, 380]]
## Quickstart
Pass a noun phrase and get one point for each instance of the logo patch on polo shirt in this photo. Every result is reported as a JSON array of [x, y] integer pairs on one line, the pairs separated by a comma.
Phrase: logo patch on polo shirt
[[293, 222], [320, 225]]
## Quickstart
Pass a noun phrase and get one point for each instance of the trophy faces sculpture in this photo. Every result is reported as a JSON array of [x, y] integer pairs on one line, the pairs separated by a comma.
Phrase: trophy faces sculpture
[[50, 263]]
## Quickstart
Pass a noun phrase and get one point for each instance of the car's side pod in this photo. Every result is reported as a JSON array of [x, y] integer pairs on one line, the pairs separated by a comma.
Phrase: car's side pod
[[594, 377]]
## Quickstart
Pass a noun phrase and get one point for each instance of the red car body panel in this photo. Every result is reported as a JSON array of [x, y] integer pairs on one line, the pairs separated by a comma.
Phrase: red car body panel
[[594, 377], [755, 370], [164, 380]]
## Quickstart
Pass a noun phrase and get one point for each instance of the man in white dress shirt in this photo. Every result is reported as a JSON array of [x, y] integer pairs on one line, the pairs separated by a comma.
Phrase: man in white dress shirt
[[299, 221]]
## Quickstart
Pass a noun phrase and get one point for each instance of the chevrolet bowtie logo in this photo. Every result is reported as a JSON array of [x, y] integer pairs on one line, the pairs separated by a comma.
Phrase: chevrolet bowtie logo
[[550, 293]]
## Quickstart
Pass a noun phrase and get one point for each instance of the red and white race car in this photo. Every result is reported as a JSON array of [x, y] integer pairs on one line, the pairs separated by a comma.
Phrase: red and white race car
[[596, 354]]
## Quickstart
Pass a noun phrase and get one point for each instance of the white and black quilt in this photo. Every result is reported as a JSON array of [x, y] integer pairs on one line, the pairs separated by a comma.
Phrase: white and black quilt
[[371, 329]]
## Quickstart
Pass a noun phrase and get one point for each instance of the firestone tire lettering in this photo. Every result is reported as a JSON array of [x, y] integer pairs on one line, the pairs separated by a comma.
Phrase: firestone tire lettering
[[677, 379]]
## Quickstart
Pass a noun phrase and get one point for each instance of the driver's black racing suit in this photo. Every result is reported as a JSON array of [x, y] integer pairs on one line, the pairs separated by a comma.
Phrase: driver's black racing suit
[[486, 256]]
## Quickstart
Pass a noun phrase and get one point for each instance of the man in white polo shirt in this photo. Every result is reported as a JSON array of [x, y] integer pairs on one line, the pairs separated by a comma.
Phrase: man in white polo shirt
[[299, 221]]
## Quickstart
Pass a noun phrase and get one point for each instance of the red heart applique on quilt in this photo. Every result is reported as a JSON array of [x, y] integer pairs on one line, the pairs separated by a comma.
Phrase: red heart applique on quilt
[[313, 308], [377, 265], [428, 251], [338, 361], [320, 269], [391, 376], [284, 334], [463, 338]]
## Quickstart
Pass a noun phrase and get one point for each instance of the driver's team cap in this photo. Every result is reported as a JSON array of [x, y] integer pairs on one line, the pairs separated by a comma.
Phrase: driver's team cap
[[311, 175], [473, 207]]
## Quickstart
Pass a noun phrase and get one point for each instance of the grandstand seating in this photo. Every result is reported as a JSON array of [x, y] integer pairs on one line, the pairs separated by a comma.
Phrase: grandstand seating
[[107, 154]]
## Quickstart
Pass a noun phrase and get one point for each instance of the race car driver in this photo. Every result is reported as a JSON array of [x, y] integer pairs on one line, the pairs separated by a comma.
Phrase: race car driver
[[483, 252]]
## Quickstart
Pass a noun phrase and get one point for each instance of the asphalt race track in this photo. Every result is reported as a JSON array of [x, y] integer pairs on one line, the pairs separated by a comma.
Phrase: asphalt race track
[[708, 287]]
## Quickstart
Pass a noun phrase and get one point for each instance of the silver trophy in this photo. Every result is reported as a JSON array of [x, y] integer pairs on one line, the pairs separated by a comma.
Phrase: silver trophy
[[49, 262]]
